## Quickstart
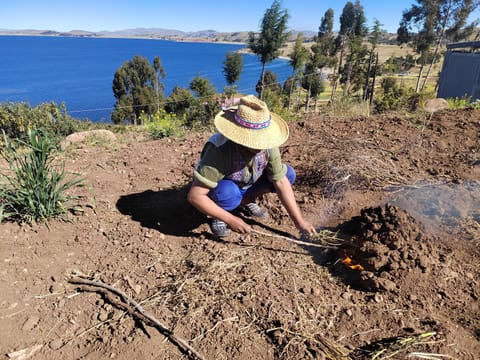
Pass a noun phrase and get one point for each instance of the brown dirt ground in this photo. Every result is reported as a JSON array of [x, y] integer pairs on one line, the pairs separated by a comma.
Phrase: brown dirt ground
[[402, 192]]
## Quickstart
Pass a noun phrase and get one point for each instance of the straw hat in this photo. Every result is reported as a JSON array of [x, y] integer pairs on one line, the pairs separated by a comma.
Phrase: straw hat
[[251, 124]]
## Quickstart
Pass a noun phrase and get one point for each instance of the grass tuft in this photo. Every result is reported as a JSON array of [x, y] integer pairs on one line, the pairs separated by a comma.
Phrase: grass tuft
[[35, 188]]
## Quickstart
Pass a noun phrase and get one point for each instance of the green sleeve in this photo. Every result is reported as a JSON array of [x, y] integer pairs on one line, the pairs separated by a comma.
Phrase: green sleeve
[[211, 167], [276, 169]]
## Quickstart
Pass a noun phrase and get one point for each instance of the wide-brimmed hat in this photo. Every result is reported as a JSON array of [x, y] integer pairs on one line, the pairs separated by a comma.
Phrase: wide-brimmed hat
[[252, 125]]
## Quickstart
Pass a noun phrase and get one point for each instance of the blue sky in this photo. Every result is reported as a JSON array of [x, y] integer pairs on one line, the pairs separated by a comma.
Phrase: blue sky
[[186, 15]]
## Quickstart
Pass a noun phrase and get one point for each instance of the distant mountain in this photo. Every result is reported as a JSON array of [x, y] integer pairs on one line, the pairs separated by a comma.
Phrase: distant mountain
[[209, 35], [144, 32]]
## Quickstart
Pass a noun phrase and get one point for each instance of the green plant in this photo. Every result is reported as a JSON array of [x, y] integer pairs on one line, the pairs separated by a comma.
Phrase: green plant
[[17, 118], [476, 104], [459, 103], [35, 189], [161, 124]]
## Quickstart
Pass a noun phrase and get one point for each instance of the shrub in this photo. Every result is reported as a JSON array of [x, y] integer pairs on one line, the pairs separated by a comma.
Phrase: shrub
[[459, 103], [475, 104], [35, 189], [395, 97], [17, 118], [162, 124]]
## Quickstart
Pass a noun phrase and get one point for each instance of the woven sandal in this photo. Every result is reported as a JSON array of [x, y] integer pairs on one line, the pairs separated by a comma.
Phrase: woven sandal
[[219, 228], [254, 210]]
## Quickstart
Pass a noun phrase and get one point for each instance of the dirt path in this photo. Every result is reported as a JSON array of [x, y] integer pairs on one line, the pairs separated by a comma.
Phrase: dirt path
[[404, 194]]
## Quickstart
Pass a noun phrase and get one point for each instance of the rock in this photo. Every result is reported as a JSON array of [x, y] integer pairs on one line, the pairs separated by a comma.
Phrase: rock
[[24, 354], [423, 262], [103, 315], [433, 105], [81, 136], [385, 284]]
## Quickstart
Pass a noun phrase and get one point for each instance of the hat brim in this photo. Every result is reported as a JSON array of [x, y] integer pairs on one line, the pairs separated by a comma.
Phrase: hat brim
[[272, 136]]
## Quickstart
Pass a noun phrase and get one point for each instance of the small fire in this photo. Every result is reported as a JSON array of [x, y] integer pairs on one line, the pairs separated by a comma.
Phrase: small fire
[[348, 261]]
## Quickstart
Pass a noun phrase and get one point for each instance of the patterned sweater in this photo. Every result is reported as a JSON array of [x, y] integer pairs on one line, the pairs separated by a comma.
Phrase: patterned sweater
[[224, 159]]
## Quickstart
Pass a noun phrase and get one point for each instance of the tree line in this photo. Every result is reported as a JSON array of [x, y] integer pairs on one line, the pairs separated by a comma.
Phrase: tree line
[[350, 56]]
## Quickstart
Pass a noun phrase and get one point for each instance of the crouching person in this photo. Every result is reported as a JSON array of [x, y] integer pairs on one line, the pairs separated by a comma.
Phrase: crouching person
[[240, 163]]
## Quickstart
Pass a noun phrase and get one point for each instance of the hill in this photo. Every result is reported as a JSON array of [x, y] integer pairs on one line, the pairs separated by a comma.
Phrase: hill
[[400, 193], [154, 33]]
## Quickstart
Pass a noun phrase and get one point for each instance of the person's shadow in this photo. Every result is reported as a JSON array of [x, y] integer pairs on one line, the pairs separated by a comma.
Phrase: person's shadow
[[167, 211]]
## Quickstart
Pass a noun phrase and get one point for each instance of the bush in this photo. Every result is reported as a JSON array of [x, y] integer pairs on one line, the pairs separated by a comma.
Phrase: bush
[[460, 103], [396, 97], [162, 124], [36, 189], [17, 118]]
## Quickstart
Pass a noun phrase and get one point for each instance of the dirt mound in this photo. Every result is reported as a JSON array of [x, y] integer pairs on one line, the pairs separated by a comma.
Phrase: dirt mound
[[387, 245]]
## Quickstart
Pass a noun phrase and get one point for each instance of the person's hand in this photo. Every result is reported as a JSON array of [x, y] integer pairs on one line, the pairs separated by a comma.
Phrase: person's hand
[[238, 225], [305, 227]]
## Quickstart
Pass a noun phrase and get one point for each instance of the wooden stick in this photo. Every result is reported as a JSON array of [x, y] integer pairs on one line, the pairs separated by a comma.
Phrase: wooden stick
[[324, 246], [136, 310]]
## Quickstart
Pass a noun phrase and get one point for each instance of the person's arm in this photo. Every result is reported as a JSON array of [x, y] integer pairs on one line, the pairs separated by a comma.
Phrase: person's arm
[[198, 197], [287, 197]]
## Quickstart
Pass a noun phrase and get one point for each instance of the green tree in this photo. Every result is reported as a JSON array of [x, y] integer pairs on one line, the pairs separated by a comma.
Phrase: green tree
[[349, 42], [202, 87], [373, 39], [179, 101], [134, 90], [232, 68], [270, 84], [323, 55], [160, 74], [428, 23], [205, 106], [313, 84], [298, 58], [273, 36]]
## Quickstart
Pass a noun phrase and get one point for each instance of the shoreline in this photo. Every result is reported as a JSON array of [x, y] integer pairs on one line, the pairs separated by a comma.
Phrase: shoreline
[[140, 37], [244, 50]]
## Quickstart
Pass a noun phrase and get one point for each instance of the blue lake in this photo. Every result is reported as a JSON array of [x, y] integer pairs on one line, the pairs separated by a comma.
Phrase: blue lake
[[79, 71]]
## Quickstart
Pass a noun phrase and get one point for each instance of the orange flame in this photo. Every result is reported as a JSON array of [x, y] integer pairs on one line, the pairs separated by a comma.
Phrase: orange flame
[[348, 261]]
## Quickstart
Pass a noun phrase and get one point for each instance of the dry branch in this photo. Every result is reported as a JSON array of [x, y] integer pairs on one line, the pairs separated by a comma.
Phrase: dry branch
[[322, 239], [135, 310]]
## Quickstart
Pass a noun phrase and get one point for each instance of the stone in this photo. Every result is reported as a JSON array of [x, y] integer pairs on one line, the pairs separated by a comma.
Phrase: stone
[[433, 105], [81, 136]]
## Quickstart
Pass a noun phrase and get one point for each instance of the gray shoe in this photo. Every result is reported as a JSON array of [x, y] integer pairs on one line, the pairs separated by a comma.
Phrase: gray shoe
[[254, 210], [219, 228]]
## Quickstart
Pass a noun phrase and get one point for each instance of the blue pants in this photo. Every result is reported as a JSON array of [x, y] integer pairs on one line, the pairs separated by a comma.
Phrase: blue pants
[[228, 195]]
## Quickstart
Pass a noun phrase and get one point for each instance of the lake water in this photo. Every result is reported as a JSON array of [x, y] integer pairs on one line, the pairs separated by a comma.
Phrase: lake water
[[79, 71]]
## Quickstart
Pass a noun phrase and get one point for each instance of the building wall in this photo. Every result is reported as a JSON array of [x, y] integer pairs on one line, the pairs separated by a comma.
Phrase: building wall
[[460, 76]]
